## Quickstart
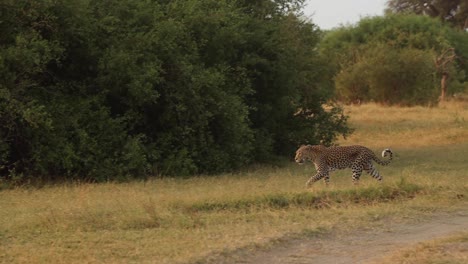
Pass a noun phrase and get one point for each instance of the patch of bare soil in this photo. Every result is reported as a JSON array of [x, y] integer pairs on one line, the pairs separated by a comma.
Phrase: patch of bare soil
[[363, 246]]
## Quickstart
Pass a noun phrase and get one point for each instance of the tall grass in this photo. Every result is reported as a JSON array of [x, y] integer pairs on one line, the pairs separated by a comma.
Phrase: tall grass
[[307, 200], [183, 220]]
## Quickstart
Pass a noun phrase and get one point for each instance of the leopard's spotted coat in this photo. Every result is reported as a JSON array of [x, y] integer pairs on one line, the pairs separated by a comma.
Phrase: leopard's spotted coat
[[327, 159]]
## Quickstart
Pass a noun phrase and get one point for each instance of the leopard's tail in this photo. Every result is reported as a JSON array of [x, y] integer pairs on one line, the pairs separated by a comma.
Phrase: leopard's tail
[[385, 153]]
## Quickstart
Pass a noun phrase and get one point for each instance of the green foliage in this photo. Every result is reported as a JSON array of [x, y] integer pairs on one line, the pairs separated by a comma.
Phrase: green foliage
[[391, 59], [389, 75], [103, 90], [453, 11]]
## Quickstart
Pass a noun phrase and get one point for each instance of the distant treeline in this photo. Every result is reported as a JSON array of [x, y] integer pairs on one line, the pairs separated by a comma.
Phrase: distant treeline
[[103, 89], [397, 59]]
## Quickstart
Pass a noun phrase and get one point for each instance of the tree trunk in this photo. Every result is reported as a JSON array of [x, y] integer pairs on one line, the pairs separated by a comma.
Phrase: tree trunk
[[443, 86]]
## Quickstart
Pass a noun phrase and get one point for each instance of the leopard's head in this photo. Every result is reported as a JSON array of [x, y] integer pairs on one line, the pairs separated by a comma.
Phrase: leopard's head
[[307, 153]]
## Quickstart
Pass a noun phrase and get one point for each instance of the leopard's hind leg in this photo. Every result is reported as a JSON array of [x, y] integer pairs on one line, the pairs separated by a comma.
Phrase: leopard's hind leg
[[357, 171], [373, 172]]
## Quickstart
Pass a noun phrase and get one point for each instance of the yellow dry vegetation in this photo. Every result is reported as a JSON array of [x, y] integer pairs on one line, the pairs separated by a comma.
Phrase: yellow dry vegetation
[[408, 127], [452, 249], [189, 220]]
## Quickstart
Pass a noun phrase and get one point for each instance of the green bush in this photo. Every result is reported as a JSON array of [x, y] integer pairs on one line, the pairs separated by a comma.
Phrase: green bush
[[100, 91]]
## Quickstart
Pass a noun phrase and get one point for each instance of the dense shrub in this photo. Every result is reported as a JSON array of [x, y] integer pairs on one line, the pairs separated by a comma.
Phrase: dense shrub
[[109, 89]]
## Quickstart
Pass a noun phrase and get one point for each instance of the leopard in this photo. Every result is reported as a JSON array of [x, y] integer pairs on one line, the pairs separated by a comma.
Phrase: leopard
[[328, 159]]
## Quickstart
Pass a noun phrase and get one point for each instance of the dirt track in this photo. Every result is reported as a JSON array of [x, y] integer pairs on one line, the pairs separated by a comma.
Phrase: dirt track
[[359, 247]]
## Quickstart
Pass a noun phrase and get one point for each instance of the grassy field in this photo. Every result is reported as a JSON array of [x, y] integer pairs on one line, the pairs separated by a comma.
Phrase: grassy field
[[451, 250], [193, 220]]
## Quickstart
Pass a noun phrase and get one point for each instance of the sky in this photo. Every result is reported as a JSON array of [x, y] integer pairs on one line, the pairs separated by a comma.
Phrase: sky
[[328, 14]]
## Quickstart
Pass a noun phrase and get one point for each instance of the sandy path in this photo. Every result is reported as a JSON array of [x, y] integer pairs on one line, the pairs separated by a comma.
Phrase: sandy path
[[363, 247]]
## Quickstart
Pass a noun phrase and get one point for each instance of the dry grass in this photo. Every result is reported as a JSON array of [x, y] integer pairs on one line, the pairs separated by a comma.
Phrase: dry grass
[[453, 250], [409, 127], [181, 220]]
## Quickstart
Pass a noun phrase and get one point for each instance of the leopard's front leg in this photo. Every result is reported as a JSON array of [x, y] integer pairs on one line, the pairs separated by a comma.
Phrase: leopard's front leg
[[319, 175]]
